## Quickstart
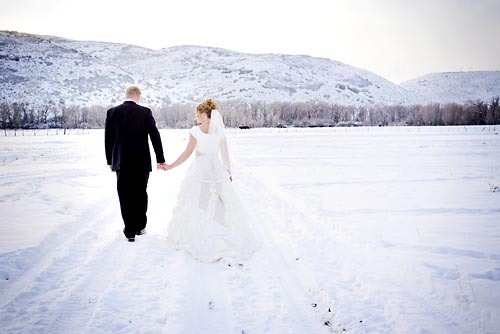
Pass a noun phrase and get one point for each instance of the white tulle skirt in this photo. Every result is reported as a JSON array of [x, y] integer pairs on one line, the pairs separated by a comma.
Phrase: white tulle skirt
[[209, 221]]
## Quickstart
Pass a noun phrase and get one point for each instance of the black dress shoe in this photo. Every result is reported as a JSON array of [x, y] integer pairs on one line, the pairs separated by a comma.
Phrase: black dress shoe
[[141, 232], [131, 239]]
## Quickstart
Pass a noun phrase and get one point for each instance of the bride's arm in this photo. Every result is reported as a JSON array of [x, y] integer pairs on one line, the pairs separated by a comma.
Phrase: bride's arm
[[186, 154]]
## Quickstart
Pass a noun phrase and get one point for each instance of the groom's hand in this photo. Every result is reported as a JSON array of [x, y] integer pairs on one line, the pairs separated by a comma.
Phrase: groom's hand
[[162, 166]]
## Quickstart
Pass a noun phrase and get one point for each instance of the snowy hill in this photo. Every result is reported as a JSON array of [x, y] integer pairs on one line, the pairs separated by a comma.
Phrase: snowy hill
[[38, 69], [456, 86], [41, 68]]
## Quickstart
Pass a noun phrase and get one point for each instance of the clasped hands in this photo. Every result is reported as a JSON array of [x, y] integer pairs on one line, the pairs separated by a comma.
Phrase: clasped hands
[[163, 166]]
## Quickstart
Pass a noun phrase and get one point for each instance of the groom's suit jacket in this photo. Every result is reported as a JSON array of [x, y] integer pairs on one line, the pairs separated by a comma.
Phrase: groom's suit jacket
[[126, 138]]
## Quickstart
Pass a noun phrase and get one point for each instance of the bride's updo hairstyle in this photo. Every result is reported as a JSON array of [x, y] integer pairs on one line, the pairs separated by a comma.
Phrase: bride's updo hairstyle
[[206, 107]]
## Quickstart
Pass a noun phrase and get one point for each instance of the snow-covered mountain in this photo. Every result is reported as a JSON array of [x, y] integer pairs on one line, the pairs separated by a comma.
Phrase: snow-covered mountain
[[41, 68], [455, 86], [38, 69]]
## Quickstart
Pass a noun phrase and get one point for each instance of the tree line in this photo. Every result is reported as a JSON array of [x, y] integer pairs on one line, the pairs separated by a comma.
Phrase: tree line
[[259, 114]]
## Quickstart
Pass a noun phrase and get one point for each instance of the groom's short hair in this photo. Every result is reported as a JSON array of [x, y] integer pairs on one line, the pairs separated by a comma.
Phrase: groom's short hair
[[132, 91]]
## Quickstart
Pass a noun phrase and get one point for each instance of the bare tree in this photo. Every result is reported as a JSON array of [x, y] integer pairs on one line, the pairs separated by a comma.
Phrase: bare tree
[[493, 114], [4, 116], [16, 117]]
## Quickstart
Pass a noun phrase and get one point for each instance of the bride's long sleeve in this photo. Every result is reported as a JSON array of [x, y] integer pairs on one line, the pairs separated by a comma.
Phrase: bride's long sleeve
[[225, 155]]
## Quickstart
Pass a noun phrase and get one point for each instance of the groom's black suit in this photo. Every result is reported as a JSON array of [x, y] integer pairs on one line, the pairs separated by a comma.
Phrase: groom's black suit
[[127, 152]]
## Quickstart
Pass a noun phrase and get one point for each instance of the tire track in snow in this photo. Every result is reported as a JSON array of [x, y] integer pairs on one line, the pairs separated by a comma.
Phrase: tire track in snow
[[76, 312], [326, 294], [52, 268]]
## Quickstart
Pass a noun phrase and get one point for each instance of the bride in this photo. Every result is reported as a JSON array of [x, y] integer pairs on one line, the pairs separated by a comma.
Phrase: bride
[[209, 222]]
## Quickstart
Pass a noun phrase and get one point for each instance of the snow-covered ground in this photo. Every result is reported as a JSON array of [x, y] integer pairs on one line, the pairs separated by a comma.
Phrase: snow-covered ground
[[363, 230]]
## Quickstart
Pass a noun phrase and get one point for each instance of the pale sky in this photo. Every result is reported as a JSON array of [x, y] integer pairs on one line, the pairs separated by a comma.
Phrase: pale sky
[[397, 39]]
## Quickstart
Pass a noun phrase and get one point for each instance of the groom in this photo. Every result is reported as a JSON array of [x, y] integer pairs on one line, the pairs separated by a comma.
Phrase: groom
[[127, 153]]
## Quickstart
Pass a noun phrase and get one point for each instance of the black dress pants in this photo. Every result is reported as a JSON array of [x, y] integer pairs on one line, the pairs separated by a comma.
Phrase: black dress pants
[[131, 186]]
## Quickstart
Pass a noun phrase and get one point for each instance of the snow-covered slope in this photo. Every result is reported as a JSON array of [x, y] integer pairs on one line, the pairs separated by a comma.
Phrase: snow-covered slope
[[37, 68], [456, 86]]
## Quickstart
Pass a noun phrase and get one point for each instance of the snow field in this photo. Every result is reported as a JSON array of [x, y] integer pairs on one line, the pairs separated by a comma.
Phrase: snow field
[[363, 230]]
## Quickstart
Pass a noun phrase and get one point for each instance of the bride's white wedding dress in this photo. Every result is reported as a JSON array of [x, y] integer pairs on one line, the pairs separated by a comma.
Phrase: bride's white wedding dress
[[209, 222]]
